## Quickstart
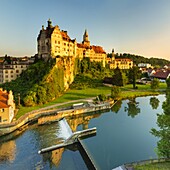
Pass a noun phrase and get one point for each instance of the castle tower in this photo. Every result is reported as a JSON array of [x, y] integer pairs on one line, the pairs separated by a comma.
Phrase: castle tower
[[113, 55], [86, 38], [49, 23]]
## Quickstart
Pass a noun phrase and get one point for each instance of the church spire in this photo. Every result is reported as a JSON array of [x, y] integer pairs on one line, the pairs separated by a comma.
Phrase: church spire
[[86, 36]]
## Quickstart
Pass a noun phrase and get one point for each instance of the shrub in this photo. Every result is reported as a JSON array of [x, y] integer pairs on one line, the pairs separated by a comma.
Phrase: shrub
[[115, 92]]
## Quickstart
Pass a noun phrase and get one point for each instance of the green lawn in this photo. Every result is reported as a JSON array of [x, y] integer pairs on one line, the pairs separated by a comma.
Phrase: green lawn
[[154, 166], [162, 86], [127, 92]]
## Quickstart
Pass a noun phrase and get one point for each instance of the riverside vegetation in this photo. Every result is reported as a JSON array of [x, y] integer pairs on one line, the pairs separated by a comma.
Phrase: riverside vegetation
[[42, 84]]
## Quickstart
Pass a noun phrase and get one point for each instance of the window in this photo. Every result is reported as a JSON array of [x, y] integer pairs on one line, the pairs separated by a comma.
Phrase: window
[[6, 76], [2, 110], [6, 71], [17, 71], [0, 119], [11, 71]]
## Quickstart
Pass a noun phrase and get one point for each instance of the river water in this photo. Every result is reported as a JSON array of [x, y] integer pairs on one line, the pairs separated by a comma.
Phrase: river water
[[122, 136]]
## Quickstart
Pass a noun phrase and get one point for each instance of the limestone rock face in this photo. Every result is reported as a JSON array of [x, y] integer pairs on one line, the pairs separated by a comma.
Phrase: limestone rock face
[[67, 63]]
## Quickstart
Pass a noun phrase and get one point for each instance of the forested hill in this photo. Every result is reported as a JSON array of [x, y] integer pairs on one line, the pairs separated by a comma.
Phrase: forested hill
[[39, 84], [156, 62]]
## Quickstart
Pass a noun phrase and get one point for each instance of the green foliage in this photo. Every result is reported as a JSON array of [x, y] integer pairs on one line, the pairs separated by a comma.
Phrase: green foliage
[[102, 97], [39, 84], [163, 133], [133, 108], [168, 83], [154, 102], [89, 74], [134, 74], [117, 77], [140, 59], [155, 83], [115, 92]]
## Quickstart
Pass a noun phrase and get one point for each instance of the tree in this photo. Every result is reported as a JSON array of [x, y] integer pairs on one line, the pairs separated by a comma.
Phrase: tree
[[134, 73], [117, 77], [168, 83], [154, 102], [163, 121], [155, 84]]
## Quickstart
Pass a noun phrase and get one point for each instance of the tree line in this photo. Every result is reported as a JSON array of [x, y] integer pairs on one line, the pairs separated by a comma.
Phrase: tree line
[[155, 62]]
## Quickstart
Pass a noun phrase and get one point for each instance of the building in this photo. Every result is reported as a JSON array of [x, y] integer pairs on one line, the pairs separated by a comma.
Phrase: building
[[7, 106], [162, 75], [144, 65], [11, 68], [53, 42], [121, 63]]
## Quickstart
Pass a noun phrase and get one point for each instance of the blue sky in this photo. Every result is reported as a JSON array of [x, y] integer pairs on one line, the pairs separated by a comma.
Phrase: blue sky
[[140, 27]]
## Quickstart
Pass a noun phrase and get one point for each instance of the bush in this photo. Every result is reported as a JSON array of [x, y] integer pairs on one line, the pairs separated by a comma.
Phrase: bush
[[155, 84], [115, 92]]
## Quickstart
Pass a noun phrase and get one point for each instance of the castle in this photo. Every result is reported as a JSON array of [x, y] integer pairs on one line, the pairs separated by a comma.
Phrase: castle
[[53, 42]]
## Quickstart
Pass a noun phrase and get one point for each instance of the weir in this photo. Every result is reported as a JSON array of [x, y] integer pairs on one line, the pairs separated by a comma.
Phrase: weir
[[71, 138]]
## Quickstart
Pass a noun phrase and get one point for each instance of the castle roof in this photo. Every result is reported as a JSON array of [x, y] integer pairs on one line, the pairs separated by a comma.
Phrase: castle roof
[[98, 49]]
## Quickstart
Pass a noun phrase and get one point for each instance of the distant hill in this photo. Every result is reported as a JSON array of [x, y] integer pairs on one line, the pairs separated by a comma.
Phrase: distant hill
[[140, 59]]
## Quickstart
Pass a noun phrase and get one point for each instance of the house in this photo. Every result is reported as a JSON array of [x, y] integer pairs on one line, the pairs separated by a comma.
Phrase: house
[[7, 106], [12, 67], [162, 75], [121, 63]]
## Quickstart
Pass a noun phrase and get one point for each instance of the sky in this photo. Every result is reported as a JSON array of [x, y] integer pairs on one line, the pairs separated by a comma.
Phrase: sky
[[140, 27]]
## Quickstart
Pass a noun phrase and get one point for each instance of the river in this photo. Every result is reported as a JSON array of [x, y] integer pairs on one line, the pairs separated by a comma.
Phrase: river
[[123, 136]]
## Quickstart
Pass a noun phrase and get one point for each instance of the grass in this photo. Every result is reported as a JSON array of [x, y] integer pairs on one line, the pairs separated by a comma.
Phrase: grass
[[72, 94], [162, 86], [154, 166]]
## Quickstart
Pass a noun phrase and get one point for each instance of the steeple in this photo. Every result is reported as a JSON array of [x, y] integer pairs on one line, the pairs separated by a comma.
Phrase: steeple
[[86, 38], [113, 54]]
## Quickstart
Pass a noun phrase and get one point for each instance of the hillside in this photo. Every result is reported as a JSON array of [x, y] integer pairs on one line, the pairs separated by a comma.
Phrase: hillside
[[39, 84], [140, 59]]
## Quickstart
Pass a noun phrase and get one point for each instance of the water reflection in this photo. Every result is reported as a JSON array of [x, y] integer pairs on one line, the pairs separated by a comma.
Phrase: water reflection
[[7, 151], [119, 139], [154, 102], [133, 107], [116, 107]]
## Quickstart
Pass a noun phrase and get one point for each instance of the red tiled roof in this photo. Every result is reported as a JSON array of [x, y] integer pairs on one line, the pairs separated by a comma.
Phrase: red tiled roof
[[3, 99], [82, 45], [98, 49], [161, 74], [65, 35]]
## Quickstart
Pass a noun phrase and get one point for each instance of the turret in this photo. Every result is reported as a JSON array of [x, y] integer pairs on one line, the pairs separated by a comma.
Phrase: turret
[[86, 39], [113, 55], [49, 23]]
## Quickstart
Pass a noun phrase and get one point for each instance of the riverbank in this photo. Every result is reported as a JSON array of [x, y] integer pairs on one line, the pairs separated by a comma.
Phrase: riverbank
[[43, 116], [84, 95], [27, 115], [152, 164]]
